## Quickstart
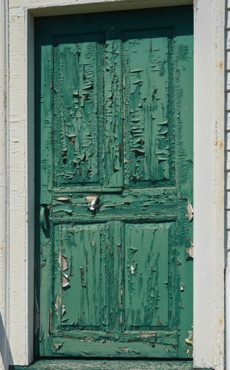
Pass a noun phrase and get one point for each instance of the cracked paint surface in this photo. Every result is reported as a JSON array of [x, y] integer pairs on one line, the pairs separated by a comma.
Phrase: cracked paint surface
[[147, 61], [76, 110], [115, 179]]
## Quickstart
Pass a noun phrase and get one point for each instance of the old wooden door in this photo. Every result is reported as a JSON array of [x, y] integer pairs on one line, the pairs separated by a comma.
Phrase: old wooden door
[[114, 184]]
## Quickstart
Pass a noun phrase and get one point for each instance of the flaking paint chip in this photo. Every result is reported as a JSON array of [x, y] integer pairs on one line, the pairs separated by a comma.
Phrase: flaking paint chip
[[58, 345], [63, 262], [65, 281], [132, 270], [189, 340], [190, 211], [57, 302], [63, 199], [94, 202], [89, 198], [190, 250]]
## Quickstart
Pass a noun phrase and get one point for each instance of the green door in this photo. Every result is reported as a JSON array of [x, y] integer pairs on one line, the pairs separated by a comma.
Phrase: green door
[[114, 184]]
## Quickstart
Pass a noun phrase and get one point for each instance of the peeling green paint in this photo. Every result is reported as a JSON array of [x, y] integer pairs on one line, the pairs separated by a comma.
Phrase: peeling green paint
[[114, 178]]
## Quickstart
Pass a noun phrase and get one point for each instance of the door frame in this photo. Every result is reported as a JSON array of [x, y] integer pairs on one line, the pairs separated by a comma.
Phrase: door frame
[[17, 171]]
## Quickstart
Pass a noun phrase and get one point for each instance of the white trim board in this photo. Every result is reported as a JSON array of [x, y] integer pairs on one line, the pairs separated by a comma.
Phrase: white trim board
[[17, 171]]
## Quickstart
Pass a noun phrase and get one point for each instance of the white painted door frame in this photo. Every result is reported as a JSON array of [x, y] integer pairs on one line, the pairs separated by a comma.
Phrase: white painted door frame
[[17, 171]]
